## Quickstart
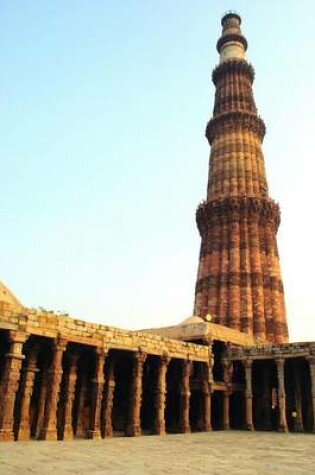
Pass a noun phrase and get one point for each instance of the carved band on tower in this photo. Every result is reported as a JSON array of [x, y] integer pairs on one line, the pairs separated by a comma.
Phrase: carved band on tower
[[239, 281]]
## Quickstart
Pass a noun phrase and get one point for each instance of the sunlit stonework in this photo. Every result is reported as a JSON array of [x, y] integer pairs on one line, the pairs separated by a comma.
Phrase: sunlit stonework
[[227, 366]]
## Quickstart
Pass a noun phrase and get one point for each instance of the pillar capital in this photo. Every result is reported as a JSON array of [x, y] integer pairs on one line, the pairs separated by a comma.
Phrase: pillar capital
[[248, 363], [60, 344], [211, 357], [165, 359], [227, 371], [311, 360], [187, 365], [17, 336], [140, 356], [280, 362], [73, 358], [17, 340], [100, 354], [101, 351], [206, 387]]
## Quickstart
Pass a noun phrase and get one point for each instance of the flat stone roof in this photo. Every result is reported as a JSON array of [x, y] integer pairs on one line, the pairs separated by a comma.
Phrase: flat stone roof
[[50, 325], [194, 328], [272, 351]]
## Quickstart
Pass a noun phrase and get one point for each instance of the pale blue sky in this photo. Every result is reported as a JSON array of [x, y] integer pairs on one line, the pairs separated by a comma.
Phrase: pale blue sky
[[103, 107]]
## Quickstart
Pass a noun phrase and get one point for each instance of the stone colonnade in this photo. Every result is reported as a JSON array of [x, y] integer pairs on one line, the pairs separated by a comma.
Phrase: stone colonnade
[[278, 392], [55, 389]]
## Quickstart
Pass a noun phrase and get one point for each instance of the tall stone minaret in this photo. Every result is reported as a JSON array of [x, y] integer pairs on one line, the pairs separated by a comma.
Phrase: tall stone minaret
[[239, 280]]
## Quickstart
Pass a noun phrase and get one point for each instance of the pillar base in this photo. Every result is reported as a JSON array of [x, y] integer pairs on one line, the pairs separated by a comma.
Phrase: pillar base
[[159, 430], [109, 432], [283, 429], [80, 432], [133, 431], [207, 428], [184, 430], [23, 434], [94, 434], [68, 435], [48, 434], [299, 427], [250, 427], [6, 435]]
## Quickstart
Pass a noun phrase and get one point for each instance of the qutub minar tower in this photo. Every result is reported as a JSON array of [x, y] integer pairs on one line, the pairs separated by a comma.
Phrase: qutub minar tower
[[63, 378], [239, 282]]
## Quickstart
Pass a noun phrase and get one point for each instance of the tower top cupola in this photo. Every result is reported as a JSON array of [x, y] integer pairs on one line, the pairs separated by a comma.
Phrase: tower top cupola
[[232, 44]]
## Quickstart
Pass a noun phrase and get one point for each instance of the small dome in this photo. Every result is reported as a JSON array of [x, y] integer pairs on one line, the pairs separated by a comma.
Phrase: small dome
[[191, 320]]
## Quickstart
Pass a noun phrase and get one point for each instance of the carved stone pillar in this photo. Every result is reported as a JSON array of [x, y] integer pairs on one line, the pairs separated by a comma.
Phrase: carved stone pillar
[[68, 396], [44, 383], [184, 425], [266, 397], [161, 390], [249, 394], [94, 431], [107, 408], [134, 425], [10, 383], [30, 370], [226, 410], [311, 361], [227, 377], [207, 392], [283, 426], [49, 429], [298, 401], [80, 429]]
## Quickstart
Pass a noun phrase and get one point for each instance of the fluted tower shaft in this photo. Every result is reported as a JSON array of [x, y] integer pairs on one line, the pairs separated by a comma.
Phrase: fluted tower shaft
[[239, 281]]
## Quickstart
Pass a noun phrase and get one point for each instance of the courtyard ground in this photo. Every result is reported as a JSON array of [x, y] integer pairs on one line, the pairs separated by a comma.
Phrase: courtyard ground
[[212, 453]]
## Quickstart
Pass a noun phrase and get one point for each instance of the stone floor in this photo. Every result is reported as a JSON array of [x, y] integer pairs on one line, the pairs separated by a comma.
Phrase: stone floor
[[204, 453]]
